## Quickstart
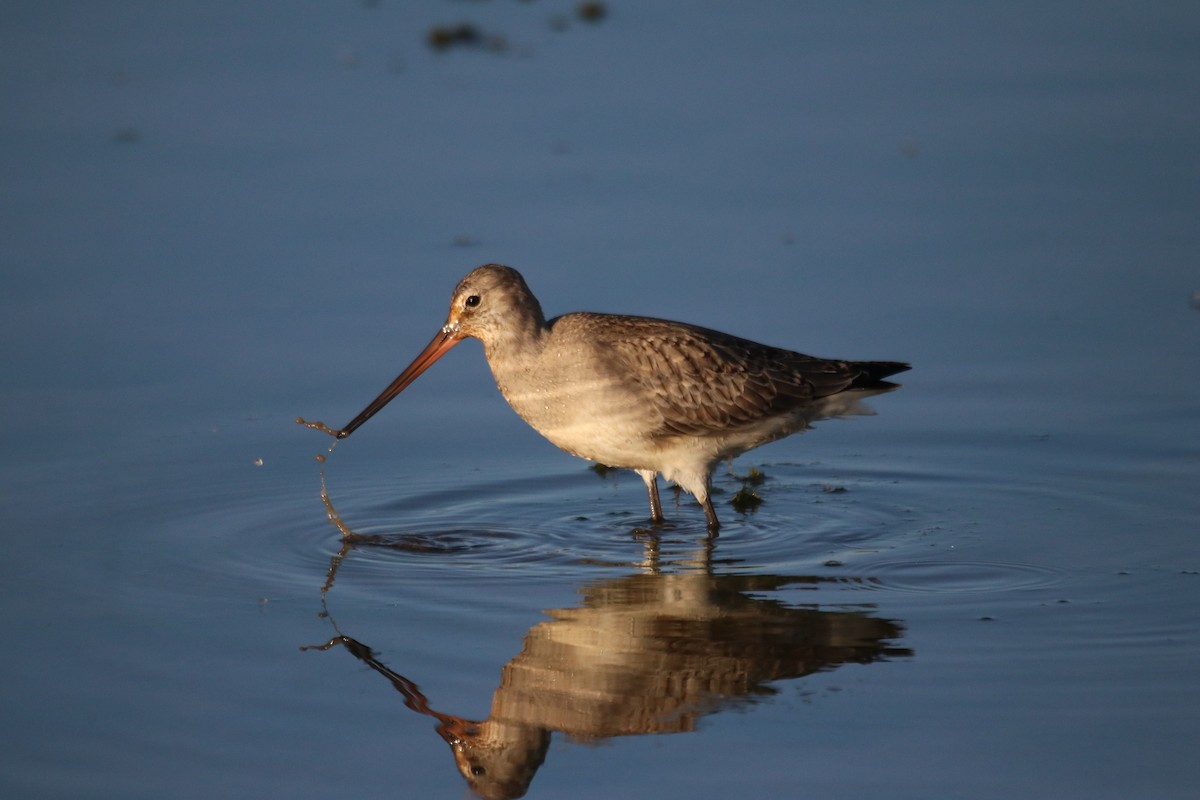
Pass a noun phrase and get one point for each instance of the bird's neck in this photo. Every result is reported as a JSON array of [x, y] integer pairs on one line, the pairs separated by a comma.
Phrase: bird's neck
[[522, 338]]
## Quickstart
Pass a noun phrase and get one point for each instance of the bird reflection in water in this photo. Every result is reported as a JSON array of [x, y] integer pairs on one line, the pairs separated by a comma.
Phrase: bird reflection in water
[[651, 652]]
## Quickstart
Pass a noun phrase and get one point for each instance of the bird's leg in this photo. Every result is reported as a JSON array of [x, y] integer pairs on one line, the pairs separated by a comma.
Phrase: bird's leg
[[651, 479], [706, 503], [710, 515]]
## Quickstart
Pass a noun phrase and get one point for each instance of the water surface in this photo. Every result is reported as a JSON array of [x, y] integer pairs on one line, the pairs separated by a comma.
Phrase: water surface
[[220, 217]]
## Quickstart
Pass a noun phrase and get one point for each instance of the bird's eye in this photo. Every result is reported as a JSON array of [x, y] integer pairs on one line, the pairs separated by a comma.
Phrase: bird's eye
[[472, 301]]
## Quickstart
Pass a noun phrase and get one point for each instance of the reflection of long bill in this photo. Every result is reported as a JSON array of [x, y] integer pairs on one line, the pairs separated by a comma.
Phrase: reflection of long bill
[[446, 338]]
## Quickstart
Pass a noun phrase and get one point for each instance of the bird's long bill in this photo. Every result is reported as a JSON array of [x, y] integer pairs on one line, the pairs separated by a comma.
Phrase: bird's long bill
[[440, 345]]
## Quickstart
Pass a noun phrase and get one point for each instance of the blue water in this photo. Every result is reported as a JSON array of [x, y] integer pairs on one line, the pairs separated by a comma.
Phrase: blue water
[[219, 217]]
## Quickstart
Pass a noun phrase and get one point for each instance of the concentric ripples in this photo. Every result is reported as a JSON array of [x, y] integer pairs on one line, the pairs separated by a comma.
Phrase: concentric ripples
[[956, 577], [278, 538]]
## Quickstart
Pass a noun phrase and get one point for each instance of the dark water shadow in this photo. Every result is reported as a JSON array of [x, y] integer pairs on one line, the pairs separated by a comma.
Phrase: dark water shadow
[[648, 653]]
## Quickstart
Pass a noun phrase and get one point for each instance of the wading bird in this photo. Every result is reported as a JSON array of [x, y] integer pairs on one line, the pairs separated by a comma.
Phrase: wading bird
[[645, 394]]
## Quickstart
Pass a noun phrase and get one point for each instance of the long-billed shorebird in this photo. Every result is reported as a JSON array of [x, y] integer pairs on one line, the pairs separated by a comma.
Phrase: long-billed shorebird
[[645, 394]]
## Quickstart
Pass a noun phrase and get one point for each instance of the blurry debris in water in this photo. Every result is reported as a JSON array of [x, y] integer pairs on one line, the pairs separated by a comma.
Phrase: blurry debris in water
[[833, 562], [126, 136], [465, 240], [746, 500], [910, 148], [464, 34], [258, 462], [320, 458], [755, 477], [828, 489], [441, 37], [592, 12], [1196, 299], [444, 37]]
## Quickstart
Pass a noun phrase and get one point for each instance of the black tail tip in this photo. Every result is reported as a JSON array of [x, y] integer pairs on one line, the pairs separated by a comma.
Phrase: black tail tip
[[875, 371]]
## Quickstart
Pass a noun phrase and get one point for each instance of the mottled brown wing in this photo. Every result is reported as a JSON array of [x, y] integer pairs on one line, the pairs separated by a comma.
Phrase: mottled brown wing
[[703, 382]]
